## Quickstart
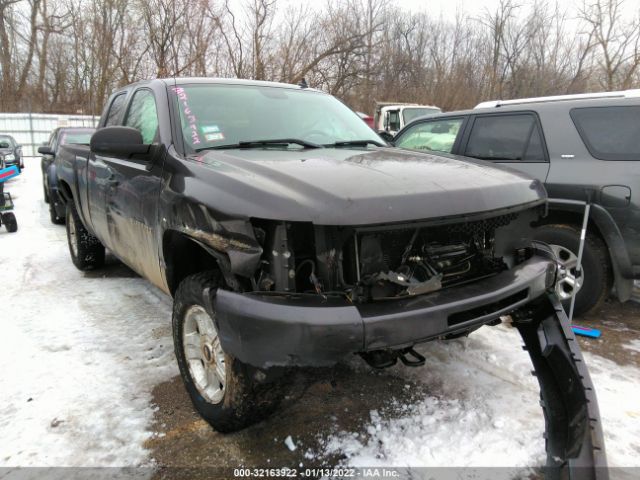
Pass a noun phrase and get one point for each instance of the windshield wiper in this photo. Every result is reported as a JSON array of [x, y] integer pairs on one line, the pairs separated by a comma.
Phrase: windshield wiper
[[279, 142], [355, 143]]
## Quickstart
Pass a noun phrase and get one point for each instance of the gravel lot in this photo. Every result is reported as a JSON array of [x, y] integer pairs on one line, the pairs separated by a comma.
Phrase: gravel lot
[[89, 379]]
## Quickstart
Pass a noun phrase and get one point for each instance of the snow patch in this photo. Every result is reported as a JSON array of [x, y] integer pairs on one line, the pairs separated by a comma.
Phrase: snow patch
[[633, 345], [79, 354], [290, 443]]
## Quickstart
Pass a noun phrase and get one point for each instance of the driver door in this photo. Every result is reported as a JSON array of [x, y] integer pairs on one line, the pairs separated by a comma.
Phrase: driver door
[[133, 190]]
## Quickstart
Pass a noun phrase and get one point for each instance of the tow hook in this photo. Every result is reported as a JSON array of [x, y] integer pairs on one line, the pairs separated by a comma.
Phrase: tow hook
[[414, 359], [573, 430], [388, 358]]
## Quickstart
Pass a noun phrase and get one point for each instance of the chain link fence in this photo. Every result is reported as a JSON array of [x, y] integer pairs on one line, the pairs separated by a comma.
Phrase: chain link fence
[[32, 129]]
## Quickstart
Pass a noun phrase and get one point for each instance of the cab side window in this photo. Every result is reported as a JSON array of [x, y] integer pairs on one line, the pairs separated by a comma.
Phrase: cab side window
[[143, 115], [506, 138], [434, 136], [393, 120], [114, 109]]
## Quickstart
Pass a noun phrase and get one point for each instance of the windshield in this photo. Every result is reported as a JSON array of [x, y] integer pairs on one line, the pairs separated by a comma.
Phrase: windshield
[[76, 136], [215, 115], [410, 114]]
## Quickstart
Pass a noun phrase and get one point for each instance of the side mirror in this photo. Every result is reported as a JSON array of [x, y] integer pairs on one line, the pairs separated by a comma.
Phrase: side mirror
[[118, 141], [45, 150], [386, 136]]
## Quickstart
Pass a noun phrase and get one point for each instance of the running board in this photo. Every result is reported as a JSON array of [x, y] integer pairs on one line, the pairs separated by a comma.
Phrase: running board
[[573, 430]]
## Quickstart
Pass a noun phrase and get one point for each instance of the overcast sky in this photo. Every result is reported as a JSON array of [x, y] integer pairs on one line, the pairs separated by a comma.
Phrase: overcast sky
[[473, 8], [448, 7]]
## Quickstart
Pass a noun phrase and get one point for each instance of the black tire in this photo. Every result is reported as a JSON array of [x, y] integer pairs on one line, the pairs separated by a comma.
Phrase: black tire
[[44, 190], [53, 215], [10, 222], [250, 394], [89, 252], [596, 267]]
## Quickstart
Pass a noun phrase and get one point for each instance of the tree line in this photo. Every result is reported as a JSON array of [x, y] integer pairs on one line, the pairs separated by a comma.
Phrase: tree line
[[67, 56]]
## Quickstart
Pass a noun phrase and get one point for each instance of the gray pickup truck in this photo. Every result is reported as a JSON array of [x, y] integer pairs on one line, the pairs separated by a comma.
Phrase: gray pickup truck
[[290, 235]]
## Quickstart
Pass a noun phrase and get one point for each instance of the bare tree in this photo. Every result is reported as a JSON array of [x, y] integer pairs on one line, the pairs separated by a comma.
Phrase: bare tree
[[69, 55], [617, 40]]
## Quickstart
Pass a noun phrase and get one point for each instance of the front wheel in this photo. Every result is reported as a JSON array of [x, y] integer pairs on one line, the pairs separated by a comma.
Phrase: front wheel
[[87, 253], [594, 284], [227, 393], [10, 222]]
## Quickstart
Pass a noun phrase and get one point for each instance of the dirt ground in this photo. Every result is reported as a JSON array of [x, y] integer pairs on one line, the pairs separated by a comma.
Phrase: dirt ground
[[338, 398]]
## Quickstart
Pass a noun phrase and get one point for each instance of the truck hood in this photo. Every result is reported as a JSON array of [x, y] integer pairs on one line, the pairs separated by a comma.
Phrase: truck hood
[[353, 187]]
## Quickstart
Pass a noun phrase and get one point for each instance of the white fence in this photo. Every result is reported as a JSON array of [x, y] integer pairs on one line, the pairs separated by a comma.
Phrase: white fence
[[31, 129]]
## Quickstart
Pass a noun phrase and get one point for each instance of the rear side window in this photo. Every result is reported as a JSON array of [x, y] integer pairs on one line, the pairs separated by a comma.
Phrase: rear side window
[[506, 138], [435, 136], [143, 115], [610, 133], [114, 110]]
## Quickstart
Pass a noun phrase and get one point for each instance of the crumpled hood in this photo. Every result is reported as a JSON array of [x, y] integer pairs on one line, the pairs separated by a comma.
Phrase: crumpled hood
[[354, 187]]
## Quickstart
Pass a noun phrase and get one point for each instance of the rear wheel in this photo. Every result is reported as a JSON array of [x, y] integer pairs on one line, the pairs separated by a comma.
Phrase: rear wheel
[[10, 222], [87, 253], [227, 393], [594, 284]]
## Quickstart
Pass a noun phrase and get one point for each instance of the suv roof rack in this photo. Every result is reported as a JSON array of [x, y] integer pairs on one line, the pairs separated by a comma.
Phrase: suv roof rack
[[560, 98]]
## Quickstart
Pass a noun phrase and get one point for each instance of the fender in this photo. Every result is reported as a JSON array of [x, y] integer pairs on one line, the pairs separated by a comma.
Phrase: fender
[[622, 268], [52, 177]]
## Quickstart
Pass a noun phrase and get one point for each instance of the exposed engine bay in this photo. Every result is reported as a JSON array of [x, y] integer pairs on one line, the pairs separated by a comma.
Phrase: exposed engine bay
[[379, 263]]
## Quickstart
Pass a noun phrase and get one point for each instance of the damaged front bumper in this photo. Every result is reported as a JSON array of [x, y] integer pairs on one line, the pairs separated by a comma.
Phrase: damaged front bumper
[[310, 330]]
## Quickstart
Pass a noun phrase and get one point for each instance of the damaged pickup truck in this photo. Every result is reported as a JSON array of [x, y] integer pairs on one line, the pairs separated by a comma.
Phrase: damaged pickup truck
[[290, 235]]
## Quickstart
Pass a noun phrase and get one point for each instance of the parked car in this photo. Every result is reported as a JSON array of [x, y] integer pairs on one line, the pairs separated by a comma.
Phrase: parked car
[[302, 240], [391, 117], [60, 136], [368, 119], [11, 151], [583, 147]]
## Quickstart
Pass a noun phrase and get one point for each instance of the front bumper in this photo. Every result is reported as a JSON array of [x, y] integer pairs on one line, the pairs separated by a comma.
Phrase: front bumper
[[15, 162], [291, 330]]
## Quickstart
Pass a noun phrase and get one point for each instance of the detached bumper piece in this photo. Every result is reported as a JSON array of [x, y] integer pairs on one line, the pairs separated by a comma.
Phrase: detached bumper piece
[[574, 438]]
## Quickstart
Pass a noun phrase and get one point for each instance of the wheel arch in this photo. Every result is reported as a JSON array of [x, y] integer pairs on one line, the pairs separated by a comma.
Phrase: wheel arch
[[66, 194], [603, 225], [183, 255]]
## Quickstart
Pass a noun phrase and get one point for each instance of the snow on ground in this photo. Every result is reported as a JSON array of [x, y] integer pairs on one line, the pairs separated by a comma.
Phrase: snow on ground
[[483, 411], [618, 391], [79, 354], [633, 345]]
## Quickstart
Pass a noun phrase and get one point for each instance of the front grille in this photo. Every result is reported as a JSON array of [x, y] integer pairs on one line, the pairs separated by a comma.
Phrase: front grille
[[451, 254]]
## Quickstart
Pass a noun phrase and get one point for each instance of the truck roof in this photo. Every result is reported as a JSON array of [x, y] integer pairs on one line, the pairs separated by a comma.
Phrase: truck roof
[[400, 104], [227, 81]]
